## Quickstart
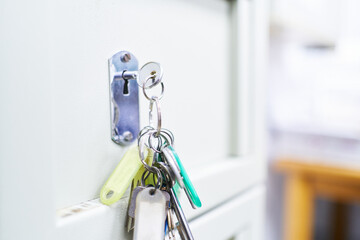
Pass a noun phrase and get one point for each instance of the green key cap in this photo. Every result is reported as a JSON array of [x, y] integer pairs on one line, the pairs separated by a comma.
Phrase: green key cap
[[189, 187]]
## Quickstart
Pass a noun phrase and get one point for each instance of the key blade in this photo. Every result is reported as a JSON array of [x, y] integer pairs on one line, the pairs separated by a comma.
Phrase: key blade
[[171, 224], [128, 218], [132, 206], [189, 198], [180, 231], [130, 224], [180, 216]]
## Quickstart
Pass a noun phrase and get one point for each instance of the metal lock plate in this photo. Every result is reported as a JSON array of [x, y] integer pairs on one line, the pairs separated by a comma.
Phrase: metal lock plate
[[124, 98]]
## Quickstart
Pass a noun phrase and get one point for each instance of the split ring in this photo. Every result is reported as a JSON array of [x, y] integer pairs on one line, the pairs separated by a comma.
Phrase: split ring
[[144, 90]]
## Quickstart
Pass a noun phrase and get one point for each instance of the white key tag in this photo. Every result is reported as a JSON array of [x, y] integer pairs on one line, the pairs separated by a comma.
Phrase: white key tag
[[150, 215]]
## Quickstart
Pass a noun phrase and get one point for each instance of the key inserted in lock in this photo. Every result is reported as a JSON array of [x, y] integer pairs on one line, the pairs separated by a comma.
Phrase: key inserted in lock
[[124, 97]]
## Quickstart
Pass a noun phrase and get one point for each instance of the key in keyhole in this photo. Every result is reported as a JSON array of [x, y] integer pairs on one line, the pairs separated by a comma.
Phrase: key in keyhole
[[126, 87], [150, 70]]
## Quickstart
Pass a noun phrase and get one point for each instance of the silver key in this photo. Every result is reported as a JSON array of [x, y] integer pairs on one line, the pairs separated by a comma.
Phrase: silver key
[[185, 231], [189, 198], [131, 210], [181, 233], [132, 206], [150, 74], [129, 223], [171, 224], [129, 220]]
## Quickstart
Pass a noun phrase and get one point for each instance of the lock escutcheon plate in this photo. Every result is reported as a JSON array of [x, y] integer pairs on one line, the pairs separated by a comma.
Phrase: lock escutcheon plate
[[124, 99]]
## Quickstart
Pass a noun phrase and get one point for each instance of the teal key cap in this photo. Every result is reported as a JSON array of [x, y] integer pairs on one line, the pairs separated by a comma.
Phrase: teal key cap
[[189, 187]]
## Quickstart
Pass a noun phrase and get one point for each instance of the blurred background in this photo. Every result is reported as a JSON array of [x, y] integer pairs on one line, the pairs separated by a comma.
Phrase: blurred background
[[314, 119]]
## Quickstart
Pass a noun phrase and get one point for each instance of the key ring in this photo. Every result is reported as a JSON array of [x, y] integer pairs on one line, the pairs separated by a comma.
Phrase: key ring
[[161, 138], [144, 132], [141, 145], [154, 99], [166, 138], [168, 174], [159, 181], [145, 129], [144, 89], [170, 135], [152, 135]]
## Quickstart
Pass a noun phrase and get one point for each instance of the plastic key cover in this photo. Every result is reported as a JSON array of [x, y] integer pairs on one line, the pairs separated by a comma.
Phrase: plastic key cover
[[150, 215], [121, 177], [187, 182]]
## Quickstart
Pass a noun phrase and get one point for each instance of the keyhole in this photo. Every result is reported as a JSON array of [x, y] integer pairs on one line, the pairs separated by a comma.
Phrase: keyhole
[[126, 87], [153, 73]]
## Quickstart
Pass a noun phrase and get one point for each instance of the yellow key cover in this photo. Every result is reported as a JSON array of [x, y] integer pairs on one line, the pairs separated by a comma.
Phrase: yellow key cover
[[121, 177]]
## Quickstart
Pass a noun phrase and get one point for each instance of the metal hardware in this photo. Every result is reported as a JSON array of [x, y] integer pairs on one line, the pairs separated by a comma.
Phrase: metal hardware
[[129, 75], [150, 71], [183, 223], [125, 57], [124, 98], [160, 169]]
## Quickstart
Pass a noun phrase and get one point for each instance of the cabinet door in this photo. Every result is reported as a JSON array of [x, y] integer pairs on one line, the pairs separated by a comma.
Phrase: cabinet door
[[56, 150]]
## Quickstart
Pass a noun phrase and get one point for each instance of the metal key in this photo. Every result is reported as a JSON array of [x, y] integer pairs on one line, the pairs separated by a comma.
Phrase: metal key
[[129, 223], [171, 161], [185, 229], [171, 224], [132, 205], [150, 214], [131, 209], [150, 74], [136, 183]]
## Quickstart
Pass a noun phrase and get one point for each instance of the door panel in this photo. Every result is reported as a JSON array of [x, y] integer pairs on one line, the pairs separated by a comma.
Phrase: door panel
[[178, 34]]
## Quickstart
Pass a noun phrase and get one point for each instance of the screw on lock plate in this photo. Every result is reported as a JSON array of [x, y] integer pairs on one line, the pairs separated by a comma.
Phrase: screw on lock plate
[[124, 98]]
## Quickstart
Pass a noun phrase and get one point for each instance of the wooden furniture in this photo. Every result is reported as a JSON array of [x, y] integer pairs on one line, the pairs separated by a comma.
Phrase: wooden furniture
[[306, 180]]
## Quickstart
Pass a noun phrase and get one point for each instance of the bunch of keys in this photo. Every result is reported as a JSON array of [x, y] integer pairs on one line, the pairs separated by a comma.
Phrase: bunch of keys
[[155, 172]]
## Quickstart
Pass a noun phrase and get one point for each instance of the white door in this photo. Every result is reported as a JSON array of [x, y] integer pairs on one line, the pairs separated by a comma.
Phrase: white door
[[55, 146]]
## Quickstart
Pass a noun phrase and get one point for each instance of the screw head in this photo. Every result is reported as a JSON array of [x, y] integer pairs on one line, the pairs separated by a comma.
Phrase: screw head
[[116, 138], [127, 136], [125, 57]]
